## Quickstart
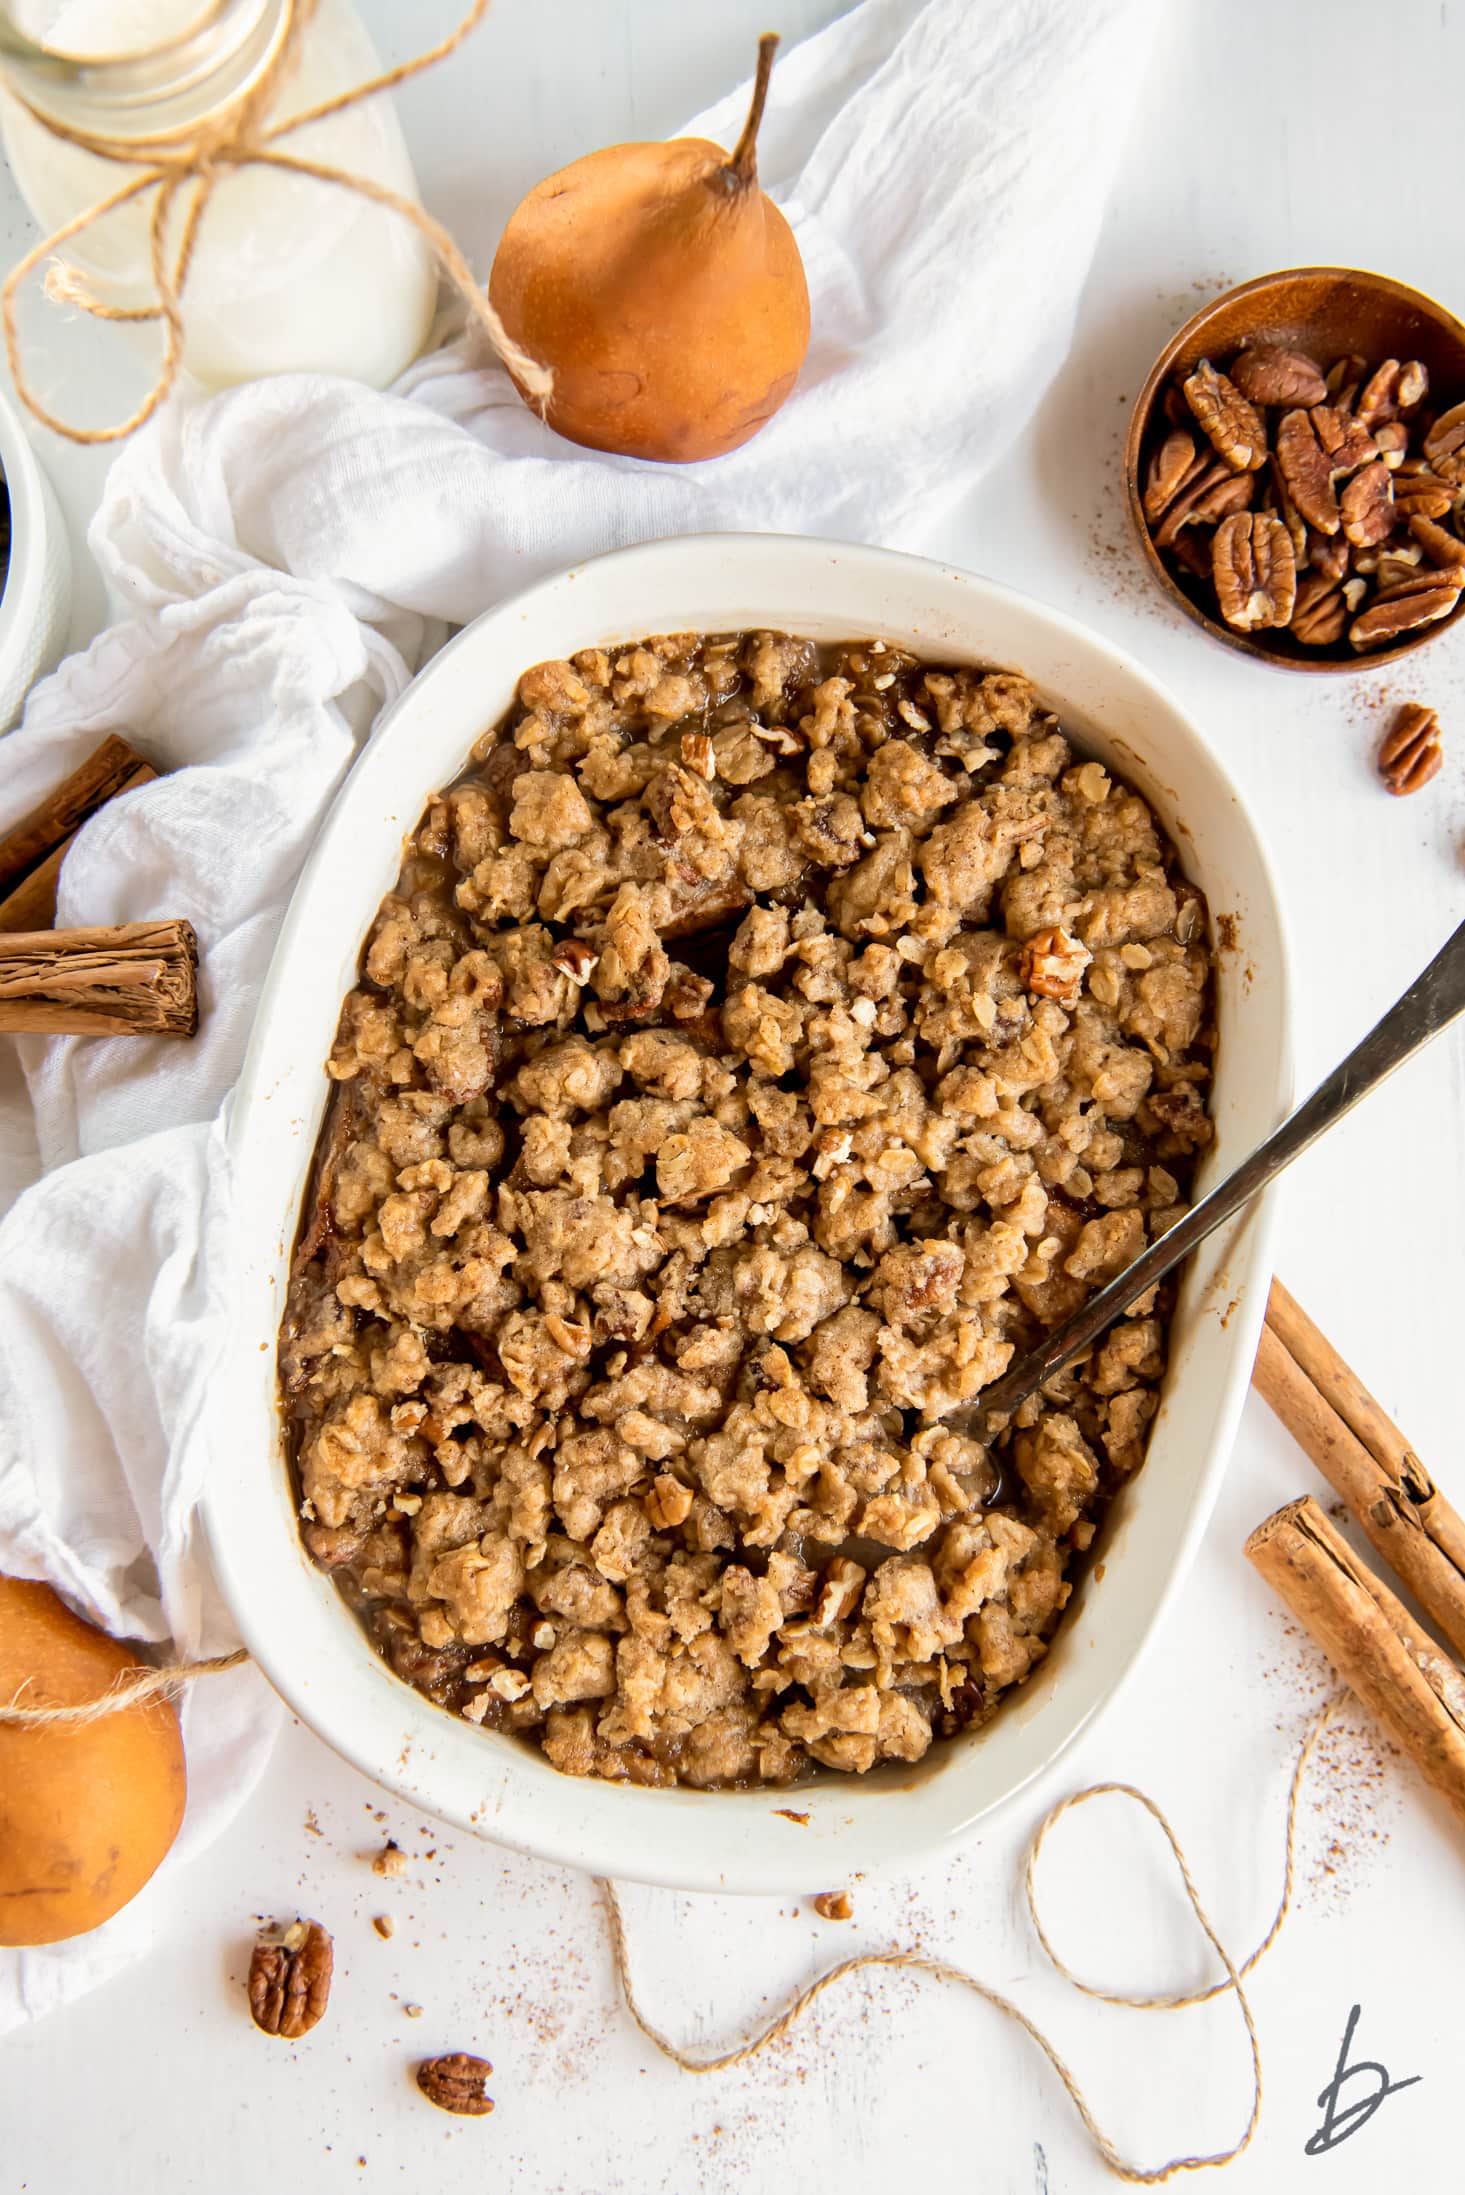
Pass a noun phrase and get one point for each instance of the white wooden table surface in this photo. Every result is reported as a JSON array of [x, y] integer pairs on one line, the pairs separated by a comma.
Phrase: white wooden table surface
[[1266, 136]]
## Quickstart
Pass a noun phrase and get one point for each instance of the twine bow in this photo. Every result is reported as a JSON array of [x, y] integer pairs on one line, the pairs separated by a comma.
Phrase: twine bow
[[188, 168]]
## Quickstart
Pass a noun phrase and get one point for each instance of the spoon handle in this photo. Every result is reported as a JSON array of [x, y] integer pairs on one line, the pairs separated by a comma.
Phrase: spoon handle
[[1429, 1005]]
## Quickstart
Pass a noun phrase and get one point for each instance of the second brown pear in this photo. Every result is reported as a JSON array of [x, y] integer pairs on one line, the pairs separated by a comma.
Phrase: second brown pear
[[663, 290]]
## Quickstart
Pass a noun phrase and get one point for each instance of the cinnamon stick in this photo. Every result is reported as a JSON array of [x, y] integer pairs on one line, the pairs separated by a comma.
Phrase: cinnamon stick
[[1366, 1418], [136, 979], [32, 852], [1371, 1640], [1366, 1460]]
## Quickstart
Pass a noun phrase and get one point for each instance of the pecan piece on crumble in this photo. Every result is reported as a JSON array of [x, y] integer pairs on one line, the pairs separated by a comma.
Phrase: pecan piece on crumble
[[575, 959], [1412, 752], [1053, 965], [1234, 427], [1255, 572], [290, 1979]]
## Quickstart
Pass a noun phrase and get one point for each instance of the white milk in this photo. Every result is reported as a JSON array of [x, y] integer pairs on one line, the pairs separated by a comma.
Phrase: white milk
[[288, 274]]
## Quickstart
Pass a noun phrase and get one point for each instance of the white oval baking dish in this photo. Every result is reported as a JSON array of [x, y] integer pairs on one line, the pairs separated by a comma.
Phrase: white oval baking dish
[[293, 1619]]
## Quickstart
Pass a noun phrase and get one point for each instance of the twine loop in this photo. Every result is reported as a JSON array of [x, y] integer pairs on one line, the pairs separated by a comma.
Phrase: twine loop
[[941, 1970], [150, 1683], [189, 168]]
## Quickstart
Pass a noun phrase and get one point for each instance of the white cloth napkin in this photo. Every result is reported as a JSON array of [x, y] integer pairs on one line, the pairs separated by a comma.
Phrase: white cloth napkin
[[282, 558]]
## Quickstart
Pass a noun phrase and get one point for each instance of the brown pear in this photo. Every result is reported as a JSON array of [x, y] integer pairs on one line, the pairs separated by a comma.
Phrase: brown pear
[[87, 1810], [663, 290]]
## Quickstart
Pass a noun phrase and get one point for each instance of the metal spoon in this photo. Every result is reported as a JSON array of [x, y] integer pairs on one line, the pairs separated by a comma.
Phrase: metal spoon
[[1429, 1005]]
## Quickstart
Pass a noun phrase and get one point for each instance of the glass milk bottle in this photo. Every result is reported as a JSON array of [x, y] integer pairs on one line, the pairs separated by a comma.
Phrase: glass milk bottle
[[288, 273]]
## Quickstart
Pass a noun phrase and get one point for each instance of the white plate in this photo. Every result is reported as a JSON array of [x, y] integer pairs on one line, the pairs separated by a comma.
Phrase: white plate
[[291, 1616]]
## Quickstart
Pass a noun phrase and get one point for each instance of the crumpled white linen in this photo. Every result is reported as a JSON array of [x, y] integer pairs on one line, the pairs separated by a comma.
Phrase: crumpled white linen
[[282, 558]]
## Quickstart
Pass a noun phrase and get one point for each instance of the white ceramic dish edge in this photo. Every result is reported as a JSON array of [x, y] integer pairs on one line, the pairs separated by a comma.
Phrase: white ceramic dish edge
[[35, 606], [291, 1617]]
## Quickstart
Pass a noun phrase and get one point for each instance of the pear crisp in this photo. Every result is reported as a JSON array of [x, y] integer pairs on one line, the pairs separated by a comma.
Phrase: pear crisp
[[763, 1042]]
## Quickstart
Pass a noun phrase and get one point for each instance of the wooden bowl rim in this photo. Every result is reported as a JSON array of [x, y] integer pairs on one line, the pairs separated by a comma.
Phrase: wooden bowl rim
[[1139, 421]]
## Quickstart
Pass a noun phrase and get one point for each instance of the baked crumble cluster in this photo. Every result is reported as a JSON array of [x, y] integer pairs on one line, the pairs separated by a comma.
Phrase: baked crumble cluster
[[762, 1044]]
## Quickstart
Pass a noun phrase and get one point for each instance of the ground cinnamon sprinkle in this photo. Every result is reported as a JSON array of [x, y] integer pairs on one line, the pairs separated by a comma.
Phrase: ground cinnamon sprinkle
[[1352, 1796]]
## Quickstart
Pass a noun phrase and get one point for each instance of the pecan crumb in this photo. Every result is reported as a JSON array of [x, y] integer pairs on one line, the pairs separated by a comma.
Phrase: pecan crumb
[[698, 754], [575, 959], [290, 1979], [1053, 965], [1411, 753], [383, 1924], [457, 2082], [390, 1861], [834, 1905]]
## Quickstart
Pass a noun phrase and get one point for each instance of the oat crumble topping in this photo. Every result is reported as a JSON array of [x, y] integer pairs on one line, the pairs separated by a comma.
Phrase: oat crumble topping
[[762, 1044]]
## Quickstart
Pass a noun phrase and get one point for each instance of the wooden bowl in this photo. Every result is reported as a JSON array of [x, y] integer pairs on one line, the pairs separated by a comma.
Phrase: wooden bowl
[[1326, 312]]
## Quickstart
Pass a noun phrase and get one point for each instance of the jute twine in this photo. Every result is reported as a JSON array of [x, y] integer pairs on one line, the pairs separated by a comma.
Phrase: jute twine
[[188, 166], [145, 1684], [130, 1690], [918, 1962]]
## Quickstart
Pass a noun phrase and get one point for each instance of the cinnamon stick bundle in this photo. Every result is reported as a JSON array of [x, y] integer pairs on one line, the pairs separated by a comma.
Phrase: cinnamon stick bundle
[[1371, 1640], [32, 853], [137, 979], [1365, 1459]]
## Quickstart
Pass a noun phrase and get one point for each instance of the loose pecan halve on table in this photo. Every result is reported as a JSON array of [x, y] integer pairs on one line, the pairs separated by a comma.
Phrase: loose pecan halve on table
[[456, 2082], [1411, 753], [290, 1979]]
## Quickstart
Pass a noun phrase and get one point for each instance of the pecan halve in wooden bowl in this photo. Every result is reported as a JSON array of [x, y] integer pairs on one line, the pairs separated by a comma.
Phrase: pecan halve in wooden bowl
[[1295, 469]]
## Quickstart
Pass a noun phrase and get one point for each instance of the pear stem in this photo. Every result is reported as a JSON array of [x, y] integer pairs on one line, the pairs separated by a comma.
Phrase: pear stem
[[744, 162]]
